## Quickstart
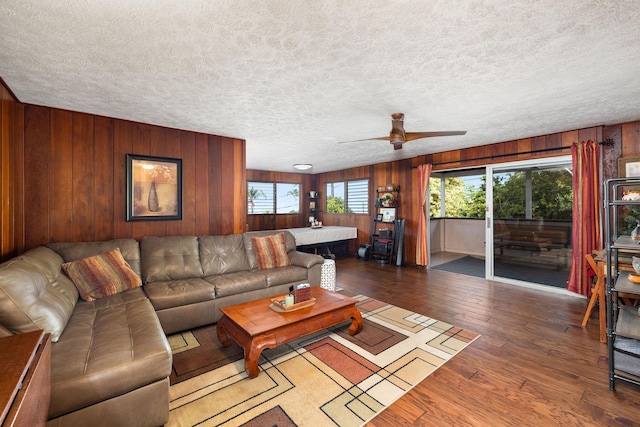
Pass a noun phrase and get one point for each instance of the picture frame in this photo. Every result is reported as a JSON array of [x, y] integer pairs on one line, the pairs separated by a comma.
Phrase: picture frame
[[388, 214], [379, 217], [154, 188], [629, 167]]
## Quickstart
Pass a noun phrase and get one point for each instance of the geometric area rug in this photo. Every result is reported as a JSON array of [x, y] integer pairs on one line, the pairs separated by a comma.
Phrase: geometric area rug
[[328, 378]]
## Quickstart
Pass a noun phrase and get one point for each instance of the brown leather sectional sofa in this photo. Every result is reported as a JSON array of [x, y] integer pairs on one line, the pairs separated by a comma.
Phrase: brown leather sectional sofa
[[110, 360]]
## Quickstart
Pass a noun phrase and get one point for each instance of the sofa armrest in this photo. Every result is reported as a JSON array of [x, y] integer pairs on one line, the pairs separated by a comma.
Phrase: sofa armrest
[[304, 259]]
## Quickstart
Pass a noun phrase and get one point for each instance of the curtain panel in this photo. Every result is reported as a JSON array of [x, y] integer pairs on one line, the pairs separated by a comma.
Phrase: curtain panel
[[586, 236], [422, 256]]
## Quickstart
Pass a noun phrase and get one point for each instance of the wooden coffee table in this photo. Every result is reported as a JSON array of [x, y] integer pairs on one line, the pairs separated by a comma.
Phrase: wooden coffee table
[[254, 326]]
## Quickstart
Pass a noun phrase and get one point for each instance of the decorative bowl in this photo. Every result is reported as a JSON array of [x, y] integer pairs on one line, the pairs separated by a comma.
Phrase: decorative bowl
[[388, 200]]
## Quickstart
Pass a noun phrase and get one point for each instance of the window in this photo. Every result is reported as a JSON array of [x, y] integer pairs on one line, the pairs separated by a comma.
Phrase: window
[[463, 194], [270, 197], [358, 196], [288, 198], [348, 197], [260, 198], [522, 192], [335, 197]]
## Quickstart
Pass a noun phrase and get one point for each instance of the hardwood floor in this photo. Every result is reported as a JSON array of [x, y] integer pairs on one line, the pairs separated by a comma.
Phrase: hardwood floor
[[534, 365]]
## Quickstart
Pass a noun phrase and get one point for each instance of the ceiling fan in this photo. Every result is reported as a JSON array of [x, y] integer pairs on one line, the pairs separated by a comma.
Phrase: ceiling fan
[[398, 136]]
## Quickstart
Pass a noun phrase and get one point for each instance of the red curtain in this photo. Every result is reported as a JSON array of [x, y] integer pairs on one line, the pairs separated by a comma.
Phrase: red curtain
[[586, 235], [422, 256]]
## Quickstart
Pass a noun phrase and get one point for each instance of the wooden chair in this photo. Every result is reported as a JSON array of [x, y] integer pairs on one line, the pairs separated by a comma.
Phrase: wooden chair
[[597, 292]]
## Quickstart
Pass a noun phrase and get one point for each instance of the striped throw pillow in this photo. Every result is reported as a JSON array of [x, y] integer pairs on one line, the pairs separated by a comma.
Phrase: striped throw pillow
[[101, 275], [271, 251]]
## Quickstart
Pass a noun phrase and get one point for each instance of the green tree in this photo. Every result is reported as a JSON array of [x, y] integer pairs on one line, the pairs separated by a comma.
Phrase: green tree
[[552, 196], [509, 195], [454, 197], [335, 204], [434, 202], [475, 200]]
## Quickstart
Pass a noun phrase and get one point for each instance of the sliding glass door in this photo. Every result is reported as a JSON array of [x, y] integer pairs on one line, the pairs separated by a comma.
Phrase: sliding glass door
[[509, 222], [529, 222]]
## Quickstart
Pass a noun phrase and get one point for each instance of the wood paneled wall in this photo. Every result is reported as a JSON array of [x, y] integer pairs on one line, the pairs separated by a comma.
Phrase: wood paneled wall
[[630, 139], [12, 180], [75, 178], [625, 140], [553, 145]]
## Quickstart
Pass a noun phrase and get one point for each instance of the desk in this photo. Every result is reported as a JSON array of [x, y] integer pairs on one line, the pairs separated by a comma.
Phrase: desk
[[322, 237]]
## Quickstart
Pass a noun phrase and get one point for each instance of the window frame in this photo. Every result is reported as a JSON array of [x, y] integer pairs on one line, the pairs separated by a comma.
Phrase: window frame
[[274, 198], [345, 184]]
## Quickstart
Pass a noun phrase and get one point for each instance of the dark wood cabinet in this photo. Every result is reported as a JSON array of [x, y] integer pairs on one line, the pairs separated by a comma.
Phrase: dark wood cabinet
[[25, 369]]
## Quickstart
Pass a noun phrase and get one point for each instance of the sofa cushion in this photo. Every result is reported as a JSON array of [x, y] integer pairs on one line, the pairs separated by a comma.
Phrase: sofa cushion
[[170, 258], [35, 293], [175, 293], [73, 251], [236, 283], [110, 346], [101, 275], [223, 254], [271, 251]]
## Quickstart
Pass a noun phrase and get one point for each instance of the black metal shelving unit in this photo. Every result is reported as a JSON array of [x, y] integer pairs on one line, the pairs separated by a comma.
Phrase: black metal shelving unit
[[623, 322], [386, 229]]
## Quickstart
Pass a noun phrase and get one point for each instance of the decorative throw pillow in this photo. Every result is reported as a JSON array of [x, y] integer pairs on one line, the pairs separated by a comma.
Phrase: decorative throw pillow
[[101, 275], [271, 251]]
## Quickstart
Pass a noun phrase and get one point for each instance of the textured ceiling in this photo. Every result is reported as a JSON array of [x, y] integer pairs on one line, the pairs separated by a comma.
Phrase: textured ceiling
[[294, 77]]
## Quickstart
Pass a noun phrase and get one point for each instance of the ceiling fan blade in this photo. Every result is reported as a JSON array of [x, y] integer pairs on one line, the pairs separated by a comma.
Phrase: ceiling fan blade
[[399, 136], [382, 138], [410, 136]]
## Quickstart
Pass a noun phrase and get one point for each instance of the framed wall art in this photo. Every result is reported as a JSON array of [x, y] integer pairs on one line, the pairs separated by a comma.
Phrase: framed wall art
[[629, 167], [154, 188], [388, 214]]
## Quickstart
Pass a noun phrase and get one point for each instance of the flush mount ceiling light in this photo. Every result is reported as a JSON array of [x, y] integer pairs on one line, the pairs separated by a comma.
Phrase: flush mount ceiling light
[[302, 166]]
